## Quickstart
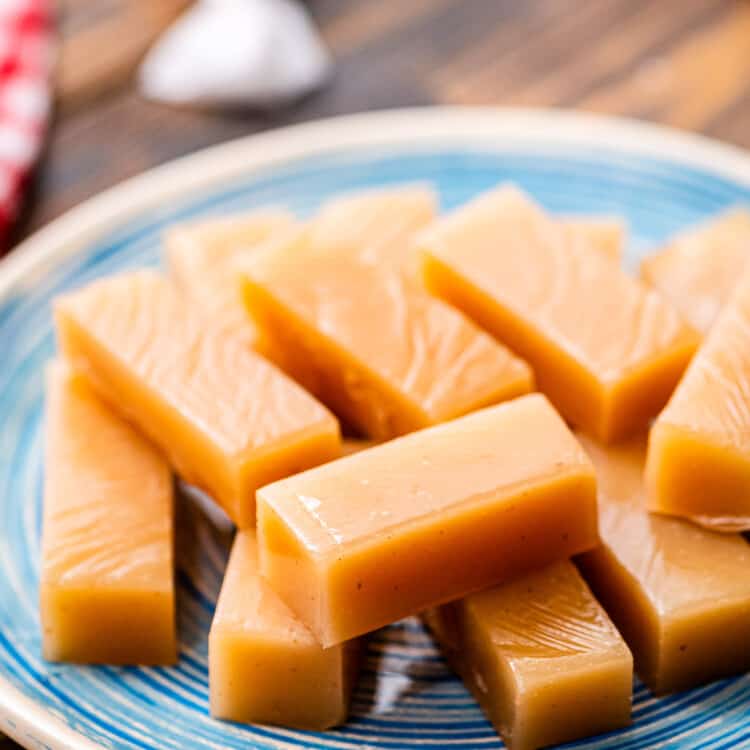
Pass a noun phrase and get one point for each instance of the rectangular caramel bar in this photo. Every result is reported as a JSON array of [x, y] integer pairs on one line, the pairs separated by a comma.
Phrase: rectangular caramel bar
[[606, 350], [107, 577], [203, 257], [679, 594], [378, 220], [349, 322], [698, 269], [541, 657], [264, 664], [384, 533], [699, 447], [228, 420]]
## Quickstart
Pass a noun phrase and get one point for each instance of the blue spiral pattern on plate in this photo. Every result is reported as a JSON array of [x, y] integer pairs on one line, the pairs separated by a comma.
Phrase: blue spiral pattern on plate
[[407, 697]]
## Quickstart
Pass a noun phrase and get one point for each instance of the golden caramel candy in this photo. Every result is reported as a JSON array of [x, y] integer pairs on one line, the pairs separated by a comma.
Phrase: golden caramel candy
[[351, 325], [541, 657], [698, 269], [376, 224], [228, 420], [606, 350], [384, 533], [378, 220], [106, 589], [679, 594], [203, 258], [699, 447], [264, 665]]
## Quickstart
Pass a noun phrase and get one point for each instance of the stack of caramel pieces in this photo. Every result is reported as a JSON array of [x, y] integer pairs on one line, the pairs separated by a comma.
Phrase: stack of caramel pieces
[[495, 373]]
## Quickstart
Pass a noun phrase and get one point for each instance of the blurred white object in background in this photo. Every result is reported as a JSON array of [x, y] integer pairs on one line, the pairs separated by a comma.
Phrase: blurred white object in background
[[255, 53]]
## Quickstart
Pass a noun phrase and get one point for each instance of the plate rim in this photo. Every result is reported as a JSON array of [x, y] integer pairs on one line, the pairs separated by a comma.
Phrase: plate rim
[[417, 127]]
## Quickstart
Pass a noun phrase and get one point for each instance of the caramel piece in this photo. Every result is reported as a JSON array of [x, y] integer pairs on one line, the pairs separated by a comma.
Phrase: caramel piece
[[379, 220], [228, 420], [203, 258], [375, 224], [604, 233], [698, 269], [699, 447], [679, 594], [427, 518], [264, 666], [606, 350], [107, 578], [351, 325], [541, 657]]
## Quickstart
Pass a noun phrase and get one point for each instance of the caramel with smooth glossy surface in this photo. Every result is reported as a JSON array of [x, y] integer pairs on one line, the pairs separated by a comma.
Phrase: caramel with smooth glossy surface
[[699, 268], [107, 576], [203, 257], [605, 349], [346, 319], [264, 665], [378, 220], [228, 420], [679, 594], [699, 447], [540, 656], [384, 533]]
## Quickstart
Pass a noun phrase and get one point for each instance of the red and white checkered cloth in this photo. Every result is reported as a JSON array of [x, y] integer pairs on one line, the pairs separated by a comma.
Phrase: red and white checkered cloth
[[26, 56]]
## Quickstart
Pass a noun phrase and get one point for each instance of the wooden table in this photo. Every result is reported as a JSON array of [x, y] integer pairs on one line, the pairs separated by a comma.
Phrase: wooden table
[[680, 62]]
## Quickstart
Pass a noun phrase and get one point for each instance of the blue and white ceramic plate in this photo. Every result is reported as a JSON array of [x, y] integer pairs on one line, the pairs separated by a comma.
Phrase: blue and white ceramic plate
[[657, 179]]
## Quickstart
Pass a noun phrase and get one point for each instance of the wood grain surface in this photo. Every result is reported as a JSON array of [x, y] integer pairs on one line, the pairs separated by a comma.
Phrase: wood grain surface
[[102, 43], [680, 62]]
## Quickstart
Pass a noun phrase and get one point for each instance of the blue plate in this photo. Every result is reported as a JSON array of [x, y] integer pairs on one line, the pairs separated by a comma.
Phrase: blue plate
[[658, 180]]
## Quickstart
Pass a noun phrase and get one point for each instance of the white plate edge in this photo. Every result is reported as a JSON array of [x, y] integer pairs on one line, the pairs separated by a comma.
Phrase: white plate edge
[[37, 725]]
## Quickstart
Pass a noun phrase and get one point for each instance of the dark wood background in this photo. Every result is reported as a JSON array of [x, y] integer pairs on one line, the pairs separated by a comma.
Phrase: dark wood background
[[680, 62]]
